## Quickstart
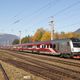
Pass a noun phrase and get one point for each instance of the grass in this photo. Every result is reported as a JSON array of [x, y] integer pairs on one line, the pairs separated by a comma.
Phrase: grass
[[15, 73], [18, 74], [1, 75]]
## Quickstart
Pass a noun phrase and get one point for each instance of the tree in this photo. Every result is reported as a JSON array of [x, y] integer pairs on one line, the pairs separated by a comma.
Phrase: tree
[[16, 41], [62, 35], [38, 35], [46, 36], [56, 36], [26, 39]]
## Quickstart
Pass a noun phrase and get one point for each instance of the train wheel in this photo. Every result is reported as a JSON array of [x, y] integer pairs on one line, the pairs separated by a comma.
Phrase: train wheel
[[65, 55]]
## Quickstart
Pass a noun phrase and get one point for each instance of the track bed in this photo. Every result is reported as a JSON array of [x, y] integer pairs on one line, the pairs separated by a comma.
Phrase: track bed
[[47, 68]]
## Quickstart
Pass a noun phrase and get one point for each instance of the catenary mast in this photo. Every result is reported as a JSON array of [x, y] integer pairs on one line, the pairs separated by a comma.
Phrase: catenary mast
[[20, 37], [51, 23]]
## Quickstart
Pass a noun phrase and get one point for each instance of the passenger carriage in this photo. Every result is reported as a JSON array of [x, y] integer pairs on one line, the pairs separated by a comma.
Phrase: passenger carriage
[[63, 47]]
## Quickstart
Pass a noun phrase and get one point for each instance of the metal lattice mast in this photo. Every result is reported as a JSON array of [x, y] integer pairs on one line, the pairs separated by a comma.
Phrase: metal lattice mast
[[20, 37], [51, 23]]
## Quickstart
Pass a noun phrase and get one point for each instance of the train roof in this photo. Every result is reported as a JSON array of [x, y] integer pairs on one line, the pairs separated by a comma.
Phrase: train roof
[[50, 41]]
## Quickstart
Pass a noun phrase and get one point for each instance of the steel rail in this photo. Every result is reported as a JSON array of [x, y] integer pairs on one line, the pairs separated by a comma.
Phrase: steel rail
[[4, 73]]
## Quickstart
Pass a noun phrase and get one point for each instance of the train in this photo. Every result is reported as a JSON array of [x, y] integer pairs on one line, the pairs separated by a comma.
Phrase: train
[[60, 47]]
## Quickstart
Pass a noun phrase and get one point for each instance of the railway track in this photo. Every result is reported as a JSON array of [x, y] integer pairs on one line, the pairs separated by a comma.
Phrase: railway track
[[4, 73], [52, 68], [37, 70], [63, 61], [43, 69], [71, 62], [45, 72]]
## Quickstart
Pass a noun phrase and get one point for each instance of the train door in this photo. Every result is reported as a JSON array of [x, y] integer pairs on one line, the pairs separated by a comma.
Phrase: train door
[[55, 46], [64, 47], [68, 47]]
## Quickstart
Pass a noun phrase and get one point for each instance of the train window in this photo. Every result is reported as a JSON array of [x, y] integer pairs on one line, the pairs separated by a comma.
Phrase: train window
[[47, 46], [76, 44], [38, 46], [67, 43], [25, 47], [43, 46], [75, 40], [54, 46], [34, 47], [29, 46], [50, 45]]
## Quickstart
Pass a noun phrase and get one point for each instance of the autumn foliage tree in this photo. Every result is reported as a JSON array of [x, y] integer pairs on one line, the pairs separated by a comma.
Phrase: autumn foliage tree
[[46, 36], [38, 35], [26, 39], [64, 35], [43, 35], [16, 41]]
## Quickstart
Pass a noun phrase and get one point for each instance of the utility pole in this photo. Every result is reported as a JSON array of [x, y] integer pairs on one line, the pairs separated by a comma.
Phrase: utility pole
[[19, 37], [51, 23]]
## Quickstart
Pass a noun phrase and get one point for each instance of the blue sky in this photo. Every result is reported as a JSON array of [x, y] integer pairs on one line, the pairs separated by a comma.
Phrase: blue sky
[[29, 15]]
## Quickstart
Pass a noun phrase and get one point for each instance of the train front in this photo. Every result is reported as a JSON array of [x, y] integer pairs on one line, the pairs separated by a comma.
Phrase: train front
[[75, 47]]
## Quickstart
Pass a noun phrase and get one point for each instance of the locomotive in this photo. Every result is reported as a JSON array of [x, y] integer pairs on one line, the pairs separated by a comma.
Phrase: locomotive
[[62, 47]]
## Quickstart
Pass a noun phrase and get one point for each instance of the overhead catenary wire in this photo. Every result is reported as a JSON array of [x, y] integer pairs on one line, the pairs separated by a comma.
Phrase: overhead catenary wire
[[41, 9], [62, 10], [70, 27], [47, 5], [35, 12], [68, 7], [65, 9], [56, 14]]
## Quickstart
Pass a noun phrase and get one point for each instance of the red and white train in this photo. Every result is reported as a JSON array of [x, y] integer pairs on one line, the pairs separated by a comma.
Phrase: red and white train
[[62, 47]]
